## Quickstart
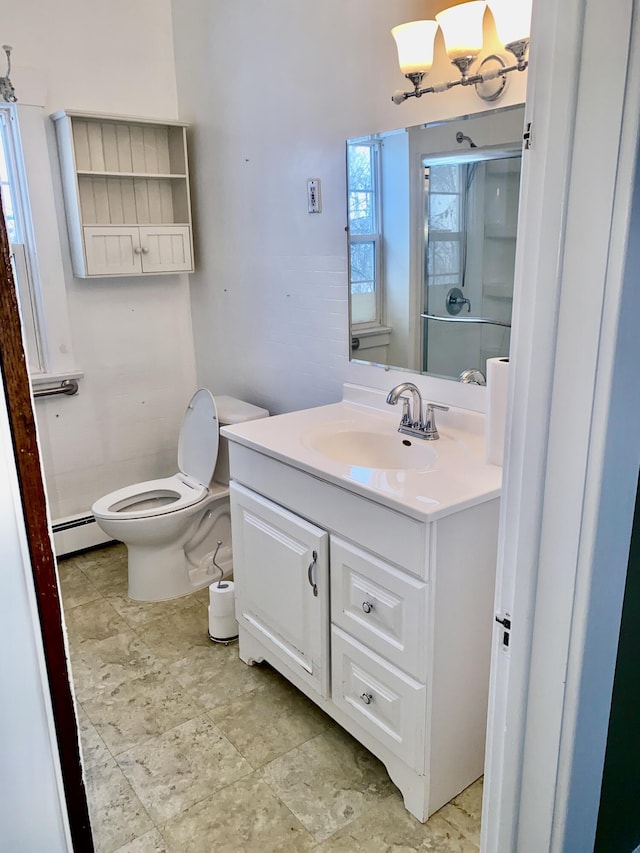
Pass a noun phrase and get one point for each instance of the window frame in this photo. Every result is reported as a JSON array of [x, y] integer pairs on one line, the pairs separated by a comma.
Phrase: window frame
[[31, 141], [20, 249], [376, 237]]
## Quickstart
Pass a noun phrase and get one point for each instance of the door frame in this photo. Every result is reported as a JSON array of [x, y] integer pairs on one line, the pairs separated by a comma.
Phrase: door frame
[[569, 487], [33, 508]]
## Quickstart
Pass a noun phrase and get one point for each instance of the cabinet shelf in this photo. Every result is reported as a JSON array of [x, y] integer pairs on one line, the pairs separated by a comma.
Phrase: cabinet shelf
[[150, 175], [127, 224], [126, 191]]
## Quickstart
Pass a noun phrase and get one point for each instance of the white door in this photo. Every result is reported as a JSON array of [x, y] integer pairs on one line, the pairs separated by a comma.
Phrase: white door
[[280, 569], [544, 748]]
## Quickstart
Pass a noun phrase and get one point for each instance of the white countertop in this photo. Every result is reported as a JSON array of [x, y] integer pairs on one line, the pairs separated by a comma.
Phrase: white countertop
[[459, 477]]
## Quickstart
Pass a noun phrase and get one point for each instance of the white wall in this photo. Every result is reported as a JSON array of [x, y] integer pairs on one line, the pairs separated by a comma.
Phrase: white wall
[[131, 337], [274, 87], [269, 299]]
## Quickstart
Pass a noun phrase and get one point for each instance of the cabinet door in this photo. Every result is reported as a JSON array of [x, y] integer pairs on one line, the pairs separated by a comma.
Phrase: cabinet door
[[112, 250], [280, 569], [166, 248]]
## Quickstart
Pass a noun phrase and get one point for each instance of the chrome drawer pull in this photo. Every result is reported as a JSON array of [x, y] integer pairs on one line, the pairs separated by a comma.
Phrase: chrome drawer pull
[[312, 565], [367, 606], [366, 698]]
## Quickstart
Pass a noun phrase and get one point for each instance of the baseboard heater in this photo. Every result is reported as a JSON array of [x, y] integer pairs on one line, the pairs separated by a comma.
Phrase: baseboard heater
[[73, 522], [77, 533]]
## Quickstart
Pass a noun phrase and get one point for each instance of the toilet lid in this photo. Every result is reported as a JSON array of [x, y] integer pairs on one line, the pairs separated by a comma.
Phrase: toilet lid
[[198, 444]]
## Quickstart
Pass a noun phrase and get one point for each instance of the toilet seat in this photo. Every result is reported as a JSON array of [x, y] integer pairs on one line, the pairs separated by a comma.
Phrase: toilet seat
[[150, 499], [197, 454]]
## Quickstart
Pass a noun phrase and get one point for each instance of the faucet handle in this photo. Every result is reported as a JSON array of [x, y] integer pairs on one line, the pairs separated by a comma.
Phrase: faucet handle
[[430, 420]]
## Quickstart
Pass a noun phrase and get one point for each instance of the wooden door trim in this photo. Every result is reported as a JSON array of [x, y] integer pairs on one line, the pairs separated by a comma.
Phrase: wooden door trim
[[15, 377]]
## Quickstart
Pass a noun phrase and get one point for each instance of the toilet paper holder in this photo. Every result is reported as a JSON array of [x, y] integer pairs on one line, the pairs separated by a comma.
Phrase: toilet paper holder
[[223, 626]]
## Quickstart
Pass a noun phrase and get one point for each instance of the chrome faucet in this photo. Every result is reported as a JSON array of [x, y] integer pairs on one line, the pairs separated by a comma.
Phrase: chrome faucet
[[412, 422], [411, 416], [472, 377]]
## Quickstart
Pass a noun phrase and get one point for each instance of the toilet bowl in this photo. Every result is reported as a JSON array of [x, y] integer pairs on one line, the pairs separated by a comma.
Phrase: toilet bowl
[[172, 526]]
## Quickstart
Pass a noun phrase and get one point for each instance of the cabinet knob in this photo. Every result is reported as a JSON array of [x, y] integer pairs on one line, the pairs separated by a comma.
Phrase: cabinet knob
[[366, 698], [137, 250], [145, 251], [367, 606]]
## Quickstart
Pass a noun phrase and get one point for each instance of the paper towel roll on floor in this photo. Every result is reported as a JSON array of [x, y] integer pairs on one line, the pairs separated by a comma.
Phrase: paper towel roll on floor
[[222, 616], [497, 377]]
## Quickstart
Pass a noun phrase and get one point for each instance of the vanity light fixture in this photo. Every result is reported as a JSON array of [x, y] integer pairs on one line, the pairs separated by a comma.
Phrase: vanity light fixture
[[6, 87], [461, 27]]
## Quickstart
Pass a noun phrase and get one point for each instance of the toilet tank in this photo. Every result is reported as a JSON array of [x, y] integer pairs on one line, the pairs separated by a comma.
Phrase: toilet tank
[[232, 411]]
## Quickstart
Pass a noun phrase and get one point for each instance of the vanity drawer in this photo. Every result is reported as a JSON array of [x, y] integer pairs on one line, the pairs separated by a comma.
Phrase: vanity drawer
[[381, 699], [381, 606]]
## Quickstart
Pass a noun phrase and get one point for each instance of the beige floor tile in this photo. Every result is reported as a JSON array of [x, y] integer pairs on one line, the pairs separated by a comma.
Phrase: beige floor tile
[[465, 811], [216, 675], [95, 620], [75, 586], [134, 712], [113, 554], [388, 826], [94, 750], [106, 568], [101, 665], [117, 815], [157, 700], [174, 771], [270, 721], [150, 842], [202, 596], [328, 781], [138, 614], [244, 817], [174, 637]]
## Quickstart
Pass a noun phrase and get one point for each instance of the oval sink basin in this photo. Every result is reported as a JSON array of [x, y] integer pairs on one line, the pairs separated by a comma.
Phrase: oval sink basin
[[363, 448]]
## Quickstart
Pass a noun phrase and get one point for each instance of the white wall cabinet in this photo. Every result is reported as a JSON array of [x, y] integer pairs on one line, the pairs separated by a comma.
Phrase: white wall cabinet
[[396, 644], [126, 191]]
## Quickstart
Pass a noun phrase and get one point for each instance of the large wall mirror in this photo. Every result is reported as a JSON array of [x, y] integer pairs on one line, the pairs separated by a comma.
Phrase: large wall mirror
[[433, 213]]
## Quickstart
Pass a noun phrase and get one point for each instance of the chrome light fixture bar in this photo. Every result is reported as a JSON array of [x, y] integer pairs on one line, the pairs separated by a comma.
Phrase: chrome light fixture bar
[[6, 87], [461, 27]]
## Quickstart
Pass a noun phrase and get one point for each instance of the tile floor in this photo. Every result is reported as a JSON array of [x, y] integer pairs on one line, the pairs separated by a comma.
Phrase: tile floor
[[187, 749]]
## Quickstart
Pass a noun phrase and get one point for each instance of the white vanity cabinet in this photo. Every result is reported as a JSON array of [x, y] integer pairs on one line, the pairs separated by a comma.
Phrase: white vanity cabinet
[[395, 646], [126, 192]]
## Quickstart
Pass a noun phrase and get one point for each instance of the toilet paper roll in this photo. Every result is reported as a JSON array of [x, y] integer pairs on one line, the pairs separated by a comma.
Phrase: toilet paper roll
[[222, 617], [497, 377]]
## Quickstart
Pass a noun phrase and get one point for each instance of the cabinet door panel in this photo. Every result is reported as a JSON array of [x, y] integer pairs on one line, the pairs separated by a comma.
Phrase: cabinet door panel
[[277, 559], [383, 700], [381, 606], [166, 248], [112, 251]]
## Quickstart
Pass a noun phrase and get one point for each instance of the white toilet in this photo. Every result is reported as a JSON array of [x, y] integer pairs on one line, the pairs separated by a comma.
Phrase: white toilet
[[172, 526]]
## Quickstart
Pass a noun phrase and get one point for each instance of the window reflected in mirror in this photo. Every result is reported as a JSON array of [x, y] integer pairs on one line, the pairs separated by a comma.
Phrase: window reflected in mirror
[[363, 167]]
